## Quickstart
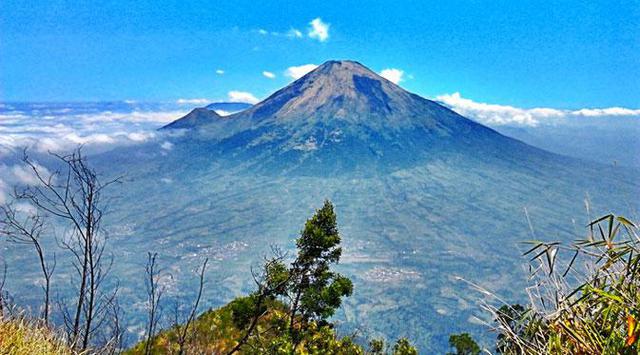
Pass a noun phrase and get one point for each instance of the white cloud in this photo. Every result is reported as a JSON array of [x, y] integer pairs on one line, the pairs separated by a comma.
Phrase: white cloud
[[294, 33], [269, 74], [193, 101], [166, 145], [140, 136], [263, 32], [24, 174], [493, 114], [242, 96], [319, 30], [392, 74], [611, 111], [97, 131], [299, 71], [219, 71]]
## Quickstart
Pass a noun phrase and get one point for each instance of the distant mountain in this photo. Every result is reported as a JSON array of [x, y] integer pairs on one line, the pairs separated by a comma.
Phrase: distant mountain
[[202, 116], [197, 117], [229, 107]]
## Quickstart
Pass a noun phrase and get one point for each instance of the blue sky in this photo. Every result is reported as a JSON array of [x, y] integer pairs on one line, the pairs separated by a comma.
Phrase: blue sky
[[565, 54]]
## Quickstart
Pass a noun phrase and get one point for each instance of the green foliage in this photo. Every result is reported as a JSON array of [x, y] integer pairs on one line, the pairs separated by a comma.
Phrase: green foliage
[[376, 347], [404, 347], [242, 309], [464, 344], [317, 290]]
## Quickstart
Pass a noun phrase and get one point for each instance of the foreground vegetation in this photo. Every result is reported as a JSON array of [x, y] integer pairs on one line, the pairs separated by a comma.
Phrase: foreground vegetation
[[587, 303], [22, 336]]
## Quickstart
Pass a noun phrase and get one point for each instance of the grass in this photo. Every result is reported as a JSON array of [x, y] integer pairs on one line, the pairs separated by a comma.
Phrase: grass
[[584, 297], [21, 337]]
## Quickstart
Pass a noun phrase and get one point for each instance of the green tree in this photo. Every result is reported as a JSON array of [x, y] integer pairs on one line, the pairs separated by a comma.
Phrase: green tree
[[464, 344], [376, 347], [315, 289], [404, 347]]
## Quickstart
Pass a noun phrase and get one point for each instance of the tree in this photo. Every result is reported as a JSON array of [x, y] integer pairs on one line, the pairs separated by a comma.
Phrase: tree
[[154, 295], [464, 344], [376, 347], [308, 289], [3, 278], [27, 228], [247, 311], [72, 195], [316, 291], [404, 347], [183, 329]]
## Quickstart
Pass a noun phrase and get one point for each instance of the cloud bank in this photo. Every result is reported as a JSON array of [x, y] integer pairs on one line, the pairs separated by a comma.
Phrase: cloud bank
[[58, 127], [494, 114]]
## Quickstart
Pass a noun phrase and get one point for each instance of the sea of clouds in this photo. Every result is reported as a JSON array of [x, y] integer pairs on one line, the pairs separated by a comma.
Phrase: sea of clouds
[[61, 127]]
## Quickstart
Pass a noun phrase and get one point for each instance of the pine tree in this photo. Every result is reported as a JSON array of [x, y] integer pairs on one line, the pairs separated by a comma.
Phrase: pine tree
[[316, 290]]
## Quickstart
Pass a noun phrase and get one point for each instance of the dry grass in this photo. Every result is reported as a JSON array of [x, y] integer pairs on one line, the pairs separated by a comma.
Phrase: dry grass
[[21, 337]]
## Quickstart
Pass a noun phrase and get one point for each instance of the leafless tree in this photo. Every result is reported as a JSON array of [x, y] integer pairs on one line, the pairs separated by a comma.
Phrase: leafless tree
[[183, 331], [267, 288], [27, 228], [154, 295], [114, 331], [73, 195], [3, 278]]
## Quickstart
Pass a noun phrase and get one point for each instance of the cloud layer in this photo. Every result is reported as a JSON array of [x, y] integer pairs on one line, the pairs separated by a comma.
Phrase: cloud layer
[[493, 114], [60, 127]]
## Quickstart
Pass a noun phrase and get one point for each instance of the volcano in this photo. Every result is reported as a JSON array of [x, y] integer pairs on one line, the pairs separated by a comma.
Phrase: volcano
[[339, 118], [424, 198]]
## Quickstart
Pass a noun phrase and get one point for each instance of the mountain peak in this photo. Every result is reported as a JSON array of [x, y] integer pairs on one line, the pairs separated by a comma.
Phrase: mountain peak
[[197, 117], [337, 66]]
